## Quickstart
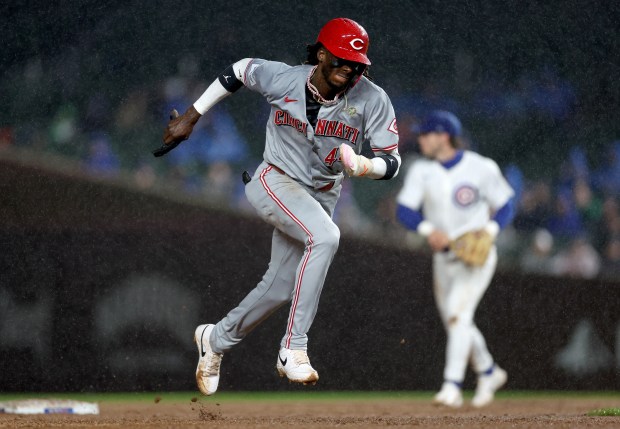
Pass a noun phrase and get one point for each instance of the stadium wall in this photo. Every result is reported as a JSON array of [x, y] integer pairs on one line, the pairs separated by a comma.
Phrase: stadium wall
[[102, 287]]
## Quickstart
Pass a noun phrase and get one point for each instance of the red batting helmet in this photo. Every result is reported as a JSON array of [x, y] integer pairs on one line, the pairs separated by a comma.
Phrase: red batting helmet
[[345, 39]]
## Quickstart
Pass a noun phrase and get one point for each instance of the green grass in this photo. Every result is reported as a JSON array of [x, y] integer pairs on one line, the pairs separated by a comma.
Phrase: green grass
[[534, 394], [292, 396], [605, 412]]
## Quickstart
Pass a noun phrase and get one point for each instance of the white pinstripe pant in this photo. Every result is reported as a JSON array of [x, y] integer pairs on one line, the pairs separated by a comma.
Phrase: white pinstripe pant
[[458, 289]]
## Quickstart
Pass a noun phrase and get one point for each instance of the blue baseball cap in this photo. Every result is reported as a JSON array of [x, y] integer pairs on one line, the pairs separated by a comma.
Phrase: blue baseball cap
[[441, 121]]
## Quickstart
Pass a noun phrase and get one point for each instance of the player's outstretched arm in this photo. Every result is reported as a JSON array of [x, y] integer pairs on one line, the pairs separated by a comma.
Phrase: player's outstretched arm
[[180, 127], [382, 167]]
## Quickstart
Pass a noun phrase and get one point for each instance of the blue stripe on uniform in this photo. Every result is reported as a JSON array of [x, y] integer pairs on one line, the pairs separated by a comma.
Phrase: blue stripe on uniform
[[408, 217]]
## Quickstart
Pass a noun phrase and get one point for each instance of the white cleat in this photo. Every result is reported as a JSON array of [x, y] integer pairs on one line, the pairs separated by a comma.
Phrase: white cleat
[[487, 386], [208, 369], [450, 395], [295, 365]]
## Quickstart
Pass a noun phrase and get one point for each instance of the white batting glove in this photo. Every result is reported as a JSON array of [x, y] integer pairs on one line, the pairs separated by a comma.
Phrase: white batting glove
[[355, 165]]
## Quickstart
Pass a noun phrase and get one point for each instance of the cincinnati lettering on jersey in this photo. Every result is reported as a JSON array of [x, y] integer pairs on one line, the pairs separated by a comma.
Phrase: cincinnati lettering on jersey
[[336, 129], [285, 119]]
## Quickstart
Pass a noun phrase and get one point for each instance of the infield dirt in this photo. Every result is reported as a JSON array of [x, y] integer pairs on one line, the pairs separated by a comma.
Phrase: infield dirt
[[211, 413]]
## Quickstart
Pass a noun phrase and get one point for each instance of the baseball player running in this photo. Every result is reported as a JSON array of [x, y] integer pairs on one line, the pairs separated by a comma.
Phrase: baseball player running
[[445, 196], [322, 112]]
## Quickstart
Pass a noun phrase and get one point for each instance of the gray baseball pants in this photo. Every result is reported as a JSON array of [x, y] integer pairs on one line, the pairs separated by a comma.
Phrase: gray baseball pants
[[304, 242]]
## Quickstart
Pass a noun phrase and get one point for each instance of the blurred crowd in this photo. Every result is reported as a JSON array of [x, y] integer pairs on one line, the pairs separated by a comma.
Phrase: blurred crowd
[[567, 223]]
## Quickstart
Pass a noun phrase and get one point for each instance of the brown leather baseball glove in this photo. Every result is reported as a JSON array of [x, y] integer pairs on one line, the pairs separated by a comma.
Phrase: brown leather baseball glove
[[472, 247]]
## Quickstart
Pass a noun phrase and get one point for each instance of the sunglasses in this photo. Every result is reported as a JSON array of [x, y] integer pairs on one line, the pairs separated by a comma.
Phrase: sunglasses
[[358, 68]]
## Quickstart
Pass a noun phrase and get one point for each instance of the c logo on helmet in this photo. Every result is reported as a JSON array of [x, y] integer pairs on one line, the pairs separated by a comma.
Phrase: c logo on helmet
[[357, 44]]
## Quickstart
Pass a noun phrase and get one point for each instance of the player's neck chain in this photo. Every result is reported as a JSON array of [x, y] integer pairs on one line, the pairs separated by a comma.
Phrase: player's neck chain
[[317, 95]]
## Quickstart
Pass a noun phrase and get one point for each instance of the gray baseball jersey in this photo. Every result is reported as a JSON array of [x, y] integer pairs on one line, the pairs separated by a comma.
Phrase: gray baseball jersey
[[296, 188], [309, 154]]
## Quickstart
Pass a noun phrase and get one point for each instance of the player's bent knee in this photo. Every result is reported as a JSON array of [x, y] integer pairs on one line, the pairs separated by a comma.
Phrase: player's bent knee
[[330, 239], [459, 323]]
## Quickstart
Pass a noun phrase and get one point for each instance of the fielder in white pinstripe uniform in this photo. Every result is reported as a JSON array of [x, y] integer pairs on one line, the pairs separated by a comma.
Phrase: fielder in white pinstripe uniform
[[451, 192], [322, 113]]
